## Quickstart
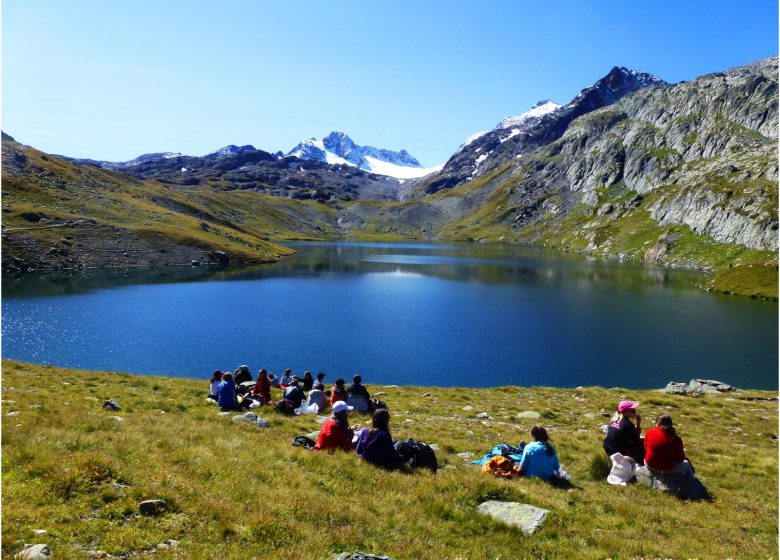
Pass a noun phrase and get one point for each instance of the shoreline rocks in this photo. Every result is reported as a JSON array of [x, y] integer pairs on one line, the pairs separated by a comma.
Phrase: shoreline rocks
[[698, 387]]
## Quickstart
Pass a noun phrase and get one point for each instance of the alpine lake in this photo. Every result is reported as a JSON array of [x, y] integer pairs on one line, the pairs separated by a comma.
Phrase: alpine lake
[[467, 315]]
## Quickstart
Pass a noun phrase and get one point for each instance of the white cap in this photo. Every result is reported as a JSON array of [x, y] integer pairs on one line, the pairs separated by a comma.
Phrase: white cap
[[341, 406]]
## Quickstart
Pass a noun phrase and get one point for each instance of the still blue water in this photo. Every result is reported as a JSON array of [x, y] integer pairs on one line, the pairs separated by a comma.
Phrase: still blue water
[[466, 315]]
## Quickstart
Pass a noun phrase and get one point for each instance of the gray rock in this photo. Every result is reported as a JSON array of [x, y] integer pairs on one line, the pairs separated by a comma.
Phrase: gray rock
[[117, 418], [710, 386], [468, 407], [466, 455], [224, 413], [262, 423], [111, 404], [34, 552], [358, 556], [483, 415], [152, 507], [249, 417], [11, 414], [529, 414], [523, 516], [676, 388], [683, 485]]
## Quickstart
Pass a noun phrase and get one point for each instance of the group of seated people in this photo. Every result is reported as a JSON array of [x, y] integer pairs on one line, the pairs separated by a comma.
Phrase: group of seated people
[[661, 450], [238, 390]]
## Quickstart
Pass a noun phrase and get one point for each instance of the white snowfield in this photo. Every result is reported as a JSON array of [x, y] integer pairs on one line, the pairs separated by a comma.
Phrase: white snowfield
[[538, 110], [398, 171]]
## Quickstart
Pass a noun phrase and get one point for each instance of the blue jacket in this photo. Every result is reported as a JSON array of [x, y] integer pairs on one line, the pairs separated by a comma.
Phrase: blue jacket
[[536, 462], [378, 450], [226, 395]]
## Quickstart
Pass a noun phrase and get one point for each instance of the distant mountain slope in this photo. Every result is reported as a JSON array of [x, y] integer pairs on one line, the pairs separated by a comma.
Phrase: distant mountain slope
[[544, 123], [338, 148]]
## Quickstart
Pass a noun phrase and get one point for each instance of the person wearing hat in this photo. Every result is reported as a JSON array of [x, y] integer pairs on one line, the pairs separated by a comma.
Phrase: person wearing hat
[[623, 436], [338, 393], [335, 432], [286, 378]]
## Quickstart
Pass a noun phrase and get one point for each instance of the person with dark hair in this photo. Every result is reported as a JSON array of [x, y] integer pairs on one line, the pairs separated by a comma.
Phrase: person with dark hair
[[273, 380], [294, 393], [226, 394], [376, 445], [317, 396], [664, 451], [216, 379], [623, 436], [242, 375], [320, 378], [338, 393], [308, 381], [335, 432], [539, 457], [286, 379], [262, 388], [358, 396]]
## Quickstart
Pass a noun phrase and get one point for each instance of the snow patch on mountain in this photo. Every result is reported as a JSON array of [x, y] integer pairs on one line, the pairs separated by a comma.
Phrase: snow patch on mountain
[[539, 110], [338, 148]]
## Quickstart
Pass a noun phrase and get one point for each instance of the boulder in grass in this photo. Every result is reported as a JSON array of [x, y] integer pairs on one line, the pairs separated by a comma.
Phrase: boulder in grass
[[34, 552], [111, 404], [249, 417], [152, 507], [530, 414], [262, 423], [684, 485], [709, 386], [525, 517]]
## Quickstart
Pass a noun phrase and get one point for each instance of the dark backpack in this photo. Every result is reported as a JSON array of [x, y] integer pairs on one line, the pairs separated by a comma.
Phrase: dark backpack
[[303, 441], [286, 406], [417, 454]]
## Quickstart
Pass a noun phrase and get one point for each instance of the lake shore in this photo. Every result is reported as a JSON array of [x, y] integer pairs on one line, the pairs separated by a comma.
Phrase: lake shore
[[78, 472]]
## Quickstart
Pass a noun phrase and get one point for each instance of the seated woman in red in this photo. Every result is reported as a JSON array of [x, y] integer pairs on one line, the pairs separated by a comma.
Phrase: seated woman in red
[[336, 433], [664, 451]]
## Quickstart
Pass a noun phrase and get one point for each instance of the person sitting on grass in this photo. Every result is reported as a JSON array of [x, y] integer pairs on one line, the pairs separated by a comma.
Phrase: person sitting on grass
[[242, 375], [286, 379], [294, 393], [308, 381], [338, 393], [358, 396], [273, 380], [335, 432], [262, 389], [320, 378], [226, 394], [664, 451], [317, 396], [216, 379], [376, 445], [623, 436], [539, 457]]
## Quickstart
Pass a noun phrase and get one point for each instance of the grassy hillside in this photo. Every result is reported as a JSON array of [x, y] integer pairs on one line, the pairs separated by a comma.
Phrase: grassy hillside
[[235, 491]]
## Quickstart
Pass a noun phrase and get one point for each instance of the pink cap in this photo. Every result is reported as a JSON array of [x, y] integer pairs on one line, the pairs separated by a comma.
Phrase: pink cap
[[627, 405]]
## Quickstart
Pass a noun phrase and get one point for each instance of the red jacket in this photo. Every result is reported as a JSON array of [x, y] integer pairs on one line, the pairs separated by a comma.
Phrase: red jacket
[[263, 389], [662, 451], [333, 437]]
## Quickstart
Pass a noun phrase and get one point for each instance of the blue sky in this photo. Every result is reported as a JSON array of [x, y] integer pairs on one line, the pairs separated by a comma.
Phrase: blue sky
[[112, 80]]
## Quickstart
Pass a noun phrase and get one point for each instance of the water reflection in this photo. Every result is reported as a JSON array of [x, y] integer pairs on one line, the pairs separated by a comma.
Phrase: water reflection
[[462, 263]]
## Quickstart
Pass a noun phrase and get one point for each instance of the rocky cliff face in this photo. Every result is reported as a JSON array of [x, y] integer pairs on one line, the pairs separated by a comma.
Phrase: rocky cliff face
[[705, 150], [514, 137]]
